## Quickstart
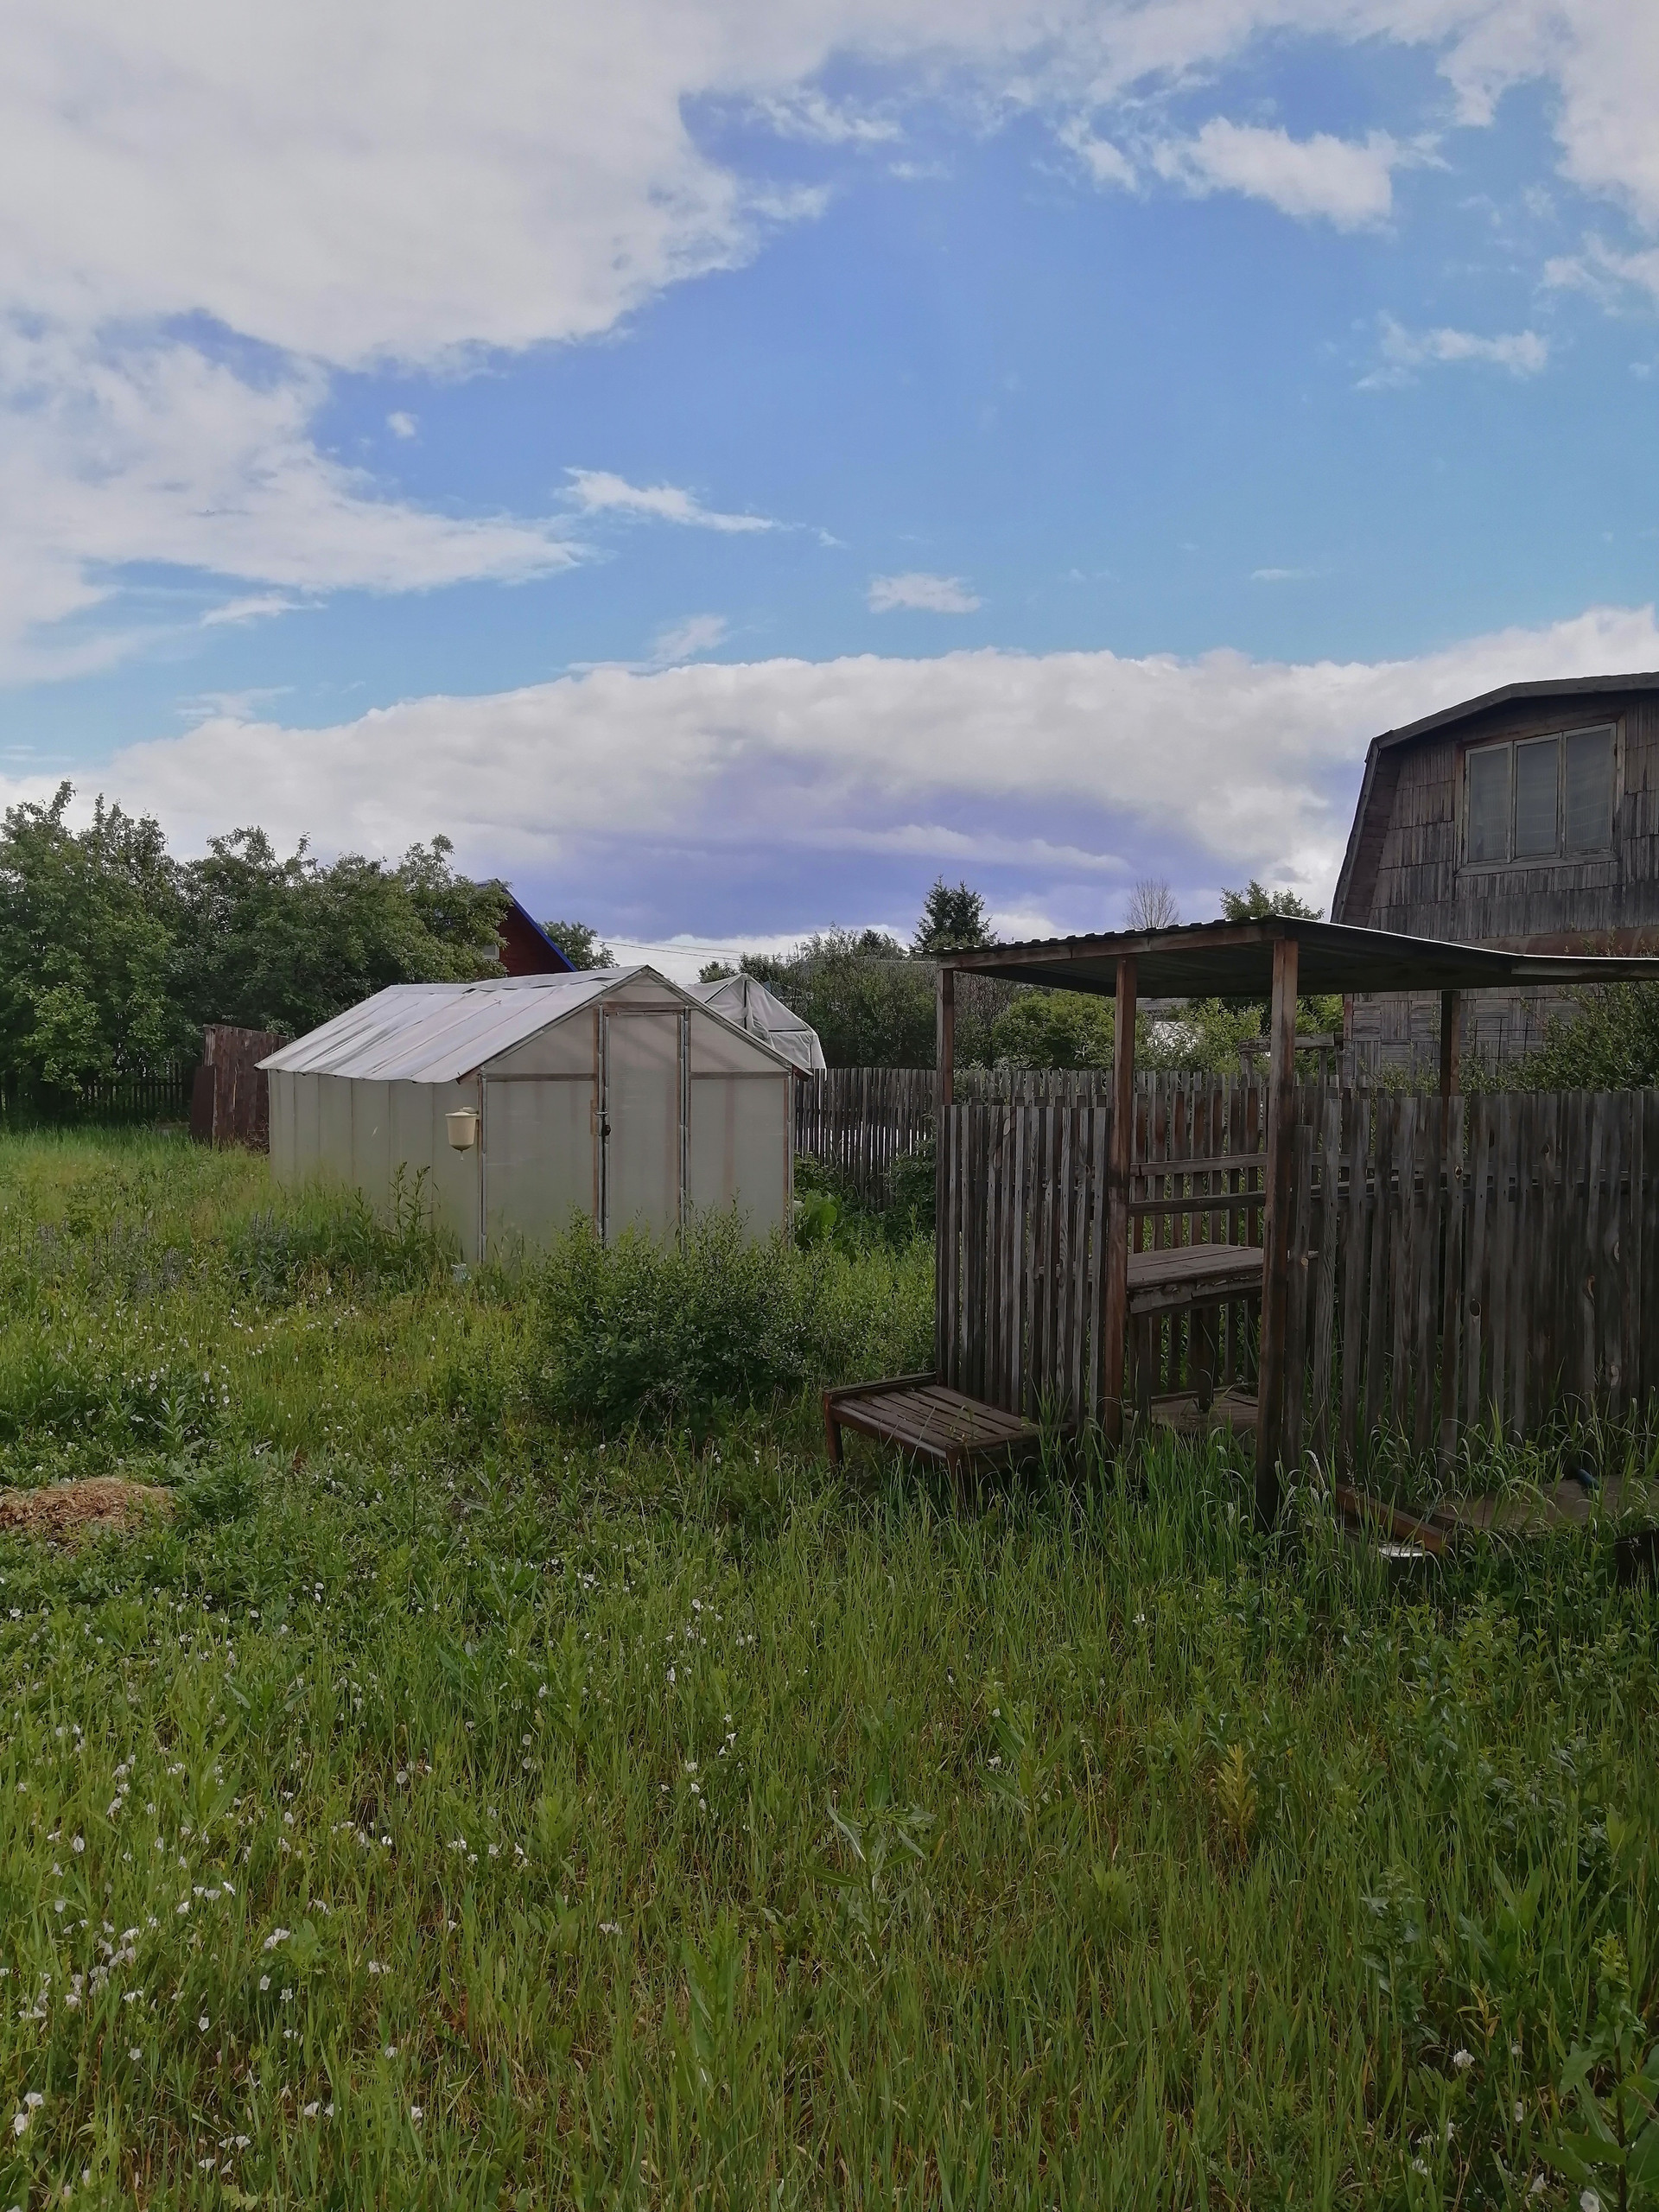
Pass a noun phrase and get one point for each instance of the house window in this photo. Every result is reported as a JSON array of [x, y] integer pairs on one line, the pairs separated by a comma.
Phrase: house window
[[1539, 798]]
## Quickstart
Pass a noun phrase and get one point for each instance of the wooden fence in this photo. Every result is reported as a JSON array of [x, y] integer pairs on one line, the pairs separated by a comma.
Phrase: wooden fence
[[230, 1099], [859, 1121], [1437, 1282], [162, 1095]]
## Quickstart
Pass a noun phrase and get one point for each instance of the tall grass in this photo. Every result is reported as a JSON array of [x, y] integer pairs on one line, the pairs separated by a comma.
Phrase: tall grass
[[458, 1804]]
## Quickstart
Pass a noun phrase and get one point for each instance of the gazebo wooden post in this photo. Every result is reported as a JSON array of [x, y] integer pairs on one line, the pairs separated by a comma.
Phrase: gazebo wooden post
[[1271, 1378], [1119, 1161], [945, 1056]]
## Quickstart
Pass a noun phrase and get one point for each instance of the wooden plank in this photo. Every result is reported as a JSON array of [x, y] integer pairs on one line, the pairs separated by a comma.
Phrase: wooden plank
[[1100, 1126], [1387, 1121], [1296, 1296], [1427, 1282], [1646, 1261], [1521, 1282], [1117, 1229], [1356, 1218], [1401, 1255], [1325, 1285], [1281, 1132], [1453, 1291]]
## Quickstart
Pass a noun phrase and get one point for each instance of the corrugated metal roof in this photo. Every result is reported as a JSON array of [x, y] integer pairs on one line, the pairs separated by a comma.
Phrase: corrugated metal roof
[[438, 1032]]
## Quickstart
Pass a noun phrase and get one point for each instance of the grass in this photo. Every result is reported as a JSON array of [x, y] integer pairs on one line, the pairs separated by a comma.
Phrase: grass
[[455, 1804]]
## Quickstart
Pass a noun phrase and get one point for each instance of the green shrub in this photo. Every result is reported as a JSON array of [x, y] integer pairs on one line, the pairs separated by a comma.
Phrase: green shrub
[[667, 1336]]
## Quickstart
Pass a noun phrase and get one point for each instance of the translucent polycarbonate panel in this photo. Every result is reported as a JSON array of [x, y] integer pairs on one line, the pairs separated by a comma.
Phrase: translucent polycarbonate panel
[[1488, 797], [538, 1162], [334, 1127], [443, 1181], [716, 1049], [739, 1148], [372, 1142], [282, 1127], [1589, 789], [568, 1047], [642, 1113], [1537, 799]]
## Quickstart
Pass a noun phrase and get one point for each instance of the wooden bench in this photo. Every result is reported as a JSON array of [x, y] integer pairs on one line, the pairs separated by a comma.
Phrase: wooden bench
[[927, 1420]]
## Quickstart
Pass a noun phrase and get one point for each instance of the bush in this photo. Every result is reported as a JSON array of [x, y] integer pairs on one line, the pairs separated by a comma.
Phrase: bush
[[672, 1335]]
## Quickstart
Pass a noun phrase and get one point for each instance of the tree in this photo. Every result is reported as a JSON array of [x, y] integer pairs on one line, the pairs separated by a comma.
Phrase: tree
[[274, 943], [716, 971], [1054, 1029], [1152, 904], [1255, 903], [953, 920], [88, 921], [580, 944]]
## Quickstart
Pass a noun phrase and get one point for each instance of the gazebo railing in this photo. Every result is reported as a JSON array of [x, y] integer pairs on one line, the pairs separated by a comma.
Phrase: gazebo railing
[[1452, 1262]]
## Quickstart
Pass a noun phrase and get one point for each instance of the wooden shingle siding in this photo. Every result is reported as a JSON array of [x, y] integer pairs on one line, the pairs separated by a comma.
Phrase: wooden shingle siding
[[1405, 871]]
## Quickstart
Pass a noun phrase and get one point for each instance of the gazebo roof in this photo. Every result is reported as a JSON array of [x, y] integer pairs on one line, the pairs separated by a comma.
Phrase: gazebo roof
[[1234, 960]]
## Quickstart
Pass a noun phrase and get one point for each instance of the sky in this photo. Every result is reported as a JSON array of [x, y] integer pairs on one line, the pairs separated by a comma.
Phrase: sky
[[727, 462]]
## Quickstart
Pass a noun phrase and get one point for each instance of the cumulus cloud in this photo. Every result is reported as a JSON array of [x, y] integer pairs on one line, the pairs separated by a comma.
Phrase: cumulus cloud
[[158, 454], [596, 491], [1522, 353], [967, 758], [1346, 182], [347, 184], [925, 593]]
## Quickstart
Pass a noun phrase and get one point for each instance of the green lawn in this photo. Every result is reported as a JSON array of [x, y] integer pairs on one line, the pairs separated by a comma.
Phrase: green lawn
[[449, 1808]]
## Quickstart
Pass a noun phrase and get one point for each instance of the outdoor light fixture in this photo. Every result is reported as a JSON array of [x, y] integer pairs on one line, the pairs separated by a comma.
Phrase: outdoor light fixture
[[462, 1125]]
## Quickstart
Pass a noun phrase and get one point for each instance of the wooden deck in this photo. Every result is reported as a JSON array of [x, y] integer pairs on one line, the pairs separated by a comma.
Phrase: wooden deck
[[928, 1420], [1524, 1513], [1193, 1275]]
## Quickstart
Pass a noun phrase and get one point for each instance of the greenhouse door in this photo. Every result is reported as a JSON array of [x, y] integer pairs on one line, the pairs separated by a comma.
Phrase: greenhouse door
[[645, 1062]]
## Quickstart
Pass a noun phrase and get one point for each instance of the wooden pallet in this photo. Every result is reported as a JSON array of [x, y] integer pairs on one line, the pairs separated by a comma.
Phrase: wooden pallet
[[1188, 1415], [1528, 1513], [928, 1420]]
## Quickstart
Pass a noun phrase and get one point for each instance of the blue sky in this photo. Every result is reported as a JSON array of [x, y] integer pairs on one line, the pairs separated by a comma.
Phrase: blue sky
[[727, 466]]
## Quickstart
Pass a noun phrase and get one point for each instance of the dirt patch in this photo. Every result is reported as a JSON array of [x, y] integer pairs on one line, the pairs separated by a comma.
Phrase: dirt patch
[[66, 1512]]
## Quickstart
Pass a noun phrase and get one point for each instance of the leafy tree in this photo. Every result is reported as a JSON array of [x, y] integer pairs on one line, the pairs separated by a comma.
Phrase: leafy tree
[[1610, 1043], [716, 971], [1054, 1029], [870, 1005], [87, 923], [1255, 903], [580, 944], [286, 943], [953, 920]]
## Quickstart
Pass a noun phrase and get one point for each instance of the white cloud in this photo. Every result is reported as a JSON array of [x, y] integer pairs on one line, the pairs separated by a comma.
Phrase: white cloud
[[680, 641], [1105, 162], [1281, 575], [349, 182], [160, 454], [401, 424], [925, 593], [1522, 353], [1253, 762], [1610, 275], [1347, 182], [596, 491], [257, 607]]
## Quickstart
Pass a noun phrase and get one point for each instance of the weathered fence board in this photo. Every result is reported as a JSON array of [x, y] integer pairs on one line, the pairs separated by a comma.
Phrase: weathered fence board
[[1456, 1263]]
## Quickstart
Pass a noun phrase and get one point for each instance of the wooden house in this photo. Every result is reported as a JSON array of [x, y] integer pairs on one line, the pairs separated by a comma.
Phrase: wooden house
[[1526, 819]]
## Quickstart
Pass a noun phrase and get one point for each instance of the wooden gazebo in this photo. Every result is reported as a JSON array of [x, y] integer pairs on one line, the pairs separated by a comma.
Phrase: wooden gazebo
[[1277, 960]]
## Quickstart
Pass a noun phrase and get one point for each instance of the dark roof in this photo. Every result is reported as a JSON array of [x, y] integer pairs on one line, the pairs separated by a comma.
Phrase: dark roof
[[526, 948], [1234, 960], [1558, 687], [1382, 775]]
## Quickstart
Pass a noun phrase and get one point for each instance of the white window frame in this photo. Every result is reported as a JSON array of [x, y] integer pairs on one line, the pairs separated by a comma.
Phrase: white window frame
[[1559, 857]]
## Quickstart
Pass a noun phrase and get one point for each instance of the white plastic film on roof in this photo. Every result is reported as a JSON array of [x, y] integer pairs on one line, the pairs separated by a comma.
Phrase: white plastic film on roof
[[752, 1006]]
